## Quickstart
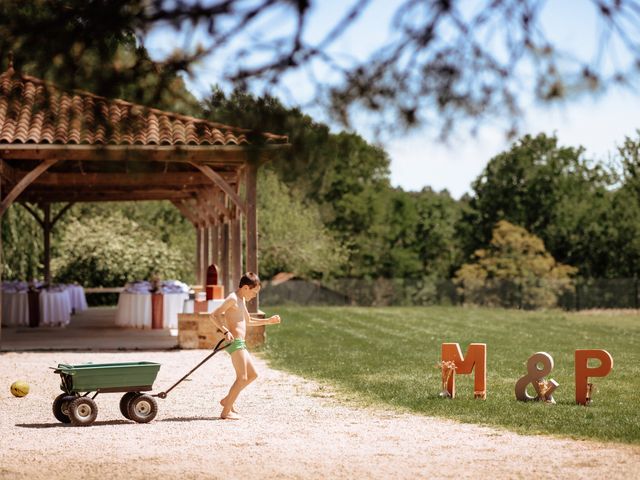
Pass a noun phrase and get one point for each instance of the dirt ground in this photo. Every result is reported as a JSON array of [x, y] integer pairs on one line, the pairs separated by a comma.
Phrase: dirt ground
[[291, 428]]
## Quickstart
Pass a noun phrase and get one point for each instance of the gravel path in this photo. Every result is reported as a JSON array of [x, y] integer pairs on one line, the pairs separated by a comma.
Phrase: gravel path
[[292, 428]]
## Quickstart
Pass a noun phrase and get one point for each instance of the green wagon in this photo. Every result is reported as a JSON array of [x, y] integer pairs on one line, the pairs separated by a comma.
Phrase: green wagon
[[76, 406]]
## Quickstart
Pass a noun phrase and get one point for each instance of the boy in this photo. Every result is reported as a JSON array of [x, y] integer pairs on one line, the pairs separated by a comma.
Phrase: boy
[[236, 317]]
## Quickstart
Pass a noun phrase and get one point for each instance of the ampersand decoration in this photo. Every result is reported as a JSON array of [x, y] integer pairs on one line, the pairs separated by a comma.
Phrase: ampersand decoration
[[535, 376]]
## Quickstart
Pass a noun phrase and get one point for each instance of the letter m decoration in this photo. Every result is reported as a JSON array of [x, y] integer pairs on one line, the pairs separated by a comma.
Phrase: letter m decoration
[[474, 359]]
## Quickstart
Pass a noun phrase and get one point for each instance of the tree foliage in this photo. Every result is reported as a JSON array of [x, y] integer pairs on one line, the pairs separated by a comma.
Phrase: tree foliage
[[292, 237], [551, 191], [624, 214], [22, 244], [90, 45], [442, 62], [342, 175], [515, 270], [108, 251]]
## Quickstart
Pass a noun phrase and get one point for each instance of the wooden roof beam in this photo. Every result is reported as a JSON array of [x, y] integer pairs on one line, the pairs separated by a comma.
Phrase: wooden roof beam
[[11, 175], [223, 185], [220, 155], [189, 209], [24, 183], [176, 179], [212, 200], [54, 197]]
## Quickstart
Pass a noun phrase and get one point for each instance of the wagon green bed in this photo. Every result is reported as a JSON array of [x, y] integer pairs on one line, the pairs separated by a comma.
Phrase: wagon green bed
[[75, 406], [79, 381]]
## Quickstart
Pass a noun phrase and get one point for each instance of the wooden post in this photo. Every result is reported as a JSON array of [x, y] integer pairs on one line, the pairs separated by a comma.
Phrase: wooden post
[[205, 254], [251, 184], [46, 227], [215, 244], [1, 256], [203, 267], [236, 251], [225, 258], [198, 254]]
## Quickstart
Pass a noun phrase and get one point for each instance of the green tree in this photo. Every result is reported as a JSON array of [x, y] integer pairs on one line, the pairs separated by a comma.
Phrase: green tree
[[629, 158], [22, 243], [292, 236], [90, 45], [515, 270], [624, 214], [345, 176], [438, 242], [551, 191], [108, 251]]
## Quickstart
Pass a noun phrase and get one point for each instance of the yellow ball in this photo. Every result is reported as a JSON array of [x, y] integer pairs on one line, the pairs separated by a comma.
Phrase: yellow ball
[[19, 388]]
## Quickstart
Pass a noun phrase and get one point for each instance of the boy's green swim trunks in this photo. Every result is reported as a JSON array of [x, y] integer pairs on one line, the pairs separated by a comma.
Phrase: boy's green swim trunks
[[237, 344]]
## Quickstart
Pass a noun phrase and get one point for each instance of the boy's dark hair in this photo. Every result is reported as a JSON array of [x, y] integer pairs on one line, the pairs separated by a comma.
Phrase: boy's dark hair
[[250, 279]]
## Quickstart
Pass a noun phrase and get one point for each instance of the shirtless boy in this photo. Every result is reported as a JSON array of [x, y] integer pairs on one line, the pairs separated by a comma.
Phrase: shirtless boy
[[232, 318]]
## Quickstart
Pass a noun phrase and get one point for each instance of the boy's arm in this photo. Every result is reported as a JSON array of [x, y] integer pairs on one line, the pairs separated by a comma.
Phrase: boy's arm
[[264, 321], [216, 316]]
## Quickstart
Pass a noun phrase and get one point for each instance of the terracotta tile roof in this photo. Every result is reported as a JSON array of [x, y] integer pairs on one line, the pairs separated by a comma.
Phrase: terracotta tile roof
[[35, 111]]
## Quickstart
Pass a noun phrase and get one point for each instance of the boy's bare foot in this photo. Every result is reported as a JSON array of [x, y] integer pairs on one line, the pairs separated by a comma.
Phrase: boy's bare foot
[[223, 402], [230, 416]]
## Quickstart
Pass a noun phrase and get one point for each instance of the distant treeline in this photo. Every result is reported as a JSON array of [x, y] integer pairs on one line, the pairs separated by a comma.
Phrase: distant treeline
[[327, 210]]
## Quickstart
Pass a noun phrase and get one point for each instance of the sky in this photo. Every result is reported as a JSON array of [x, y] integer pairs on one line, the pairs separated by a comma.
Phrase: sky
[[418, 158]]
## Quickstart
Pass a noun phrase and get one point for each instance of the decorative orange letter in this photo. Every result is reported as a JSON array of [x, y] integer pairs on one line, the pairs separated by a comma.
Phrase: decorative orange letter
[[475, 357], [583, 372]]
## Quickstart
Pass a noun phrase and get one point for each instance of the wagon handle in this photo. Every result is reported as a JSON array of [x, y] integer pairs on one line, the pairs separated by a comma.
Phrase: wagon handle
[[215, 350]]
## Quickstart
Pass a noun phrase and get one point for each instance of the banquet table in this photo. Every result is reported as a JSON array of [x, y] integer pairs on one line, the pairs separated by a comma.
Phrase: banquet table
[[172, 304], [134, 309], [77, 298], [15, 309], [55, 308]]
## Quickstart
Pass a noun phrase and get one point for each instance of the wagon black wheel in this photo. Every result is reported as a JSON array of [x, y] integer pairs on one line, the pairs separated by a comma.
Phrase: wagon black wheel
[[83, 411], [143, 409], [61, 407], [124, 403]]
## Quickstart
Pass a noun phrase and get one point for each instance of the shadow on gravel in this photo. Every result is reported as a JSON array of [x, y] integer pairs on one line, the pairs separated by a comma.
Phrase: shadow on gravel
[[68, 425], [190, 419]]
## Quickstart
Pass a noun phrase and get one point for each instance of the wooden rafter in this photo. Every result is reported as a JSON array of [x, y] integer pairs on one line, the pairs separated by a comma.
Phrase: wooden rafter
[[8, 173], [24, 183], [224, 186], [184, 211], [213, 204], [190, 211], [207, 216]]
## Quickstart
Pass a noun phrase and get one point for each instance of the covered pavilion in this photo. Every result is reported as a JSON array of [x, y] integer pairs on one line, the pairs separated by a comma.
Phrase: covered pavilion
[[74, 146]]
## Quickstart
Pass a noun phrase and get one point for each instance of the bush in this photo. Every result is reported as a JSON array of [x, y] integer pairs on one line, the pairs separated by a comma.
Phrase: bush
[[108, 251]]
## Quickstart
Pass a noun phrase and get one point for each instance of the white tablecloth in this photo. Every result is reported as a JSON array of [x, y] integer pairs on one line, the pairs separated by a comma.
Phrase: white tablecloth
[[134, 310], [15, 309], [55, 308], [172, 305], [77, 297]]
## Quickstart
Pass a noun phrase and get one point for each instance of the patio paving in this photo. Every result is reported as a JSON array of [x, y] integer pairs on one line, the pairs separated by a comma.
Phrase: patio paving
[[93, 329]]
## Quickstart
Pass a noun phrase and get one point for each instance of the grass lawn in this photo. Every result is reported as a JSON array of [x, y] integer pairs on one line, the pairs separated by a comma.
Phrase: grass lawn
[[387, 356]]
